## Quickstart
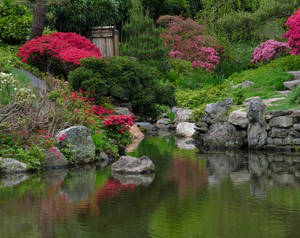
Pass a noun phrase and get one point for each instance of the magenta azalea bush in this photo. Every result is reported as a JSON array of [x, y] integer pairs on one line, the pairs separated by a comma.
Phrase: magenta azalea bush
[[293, 33], [269, 50], [59, 52]]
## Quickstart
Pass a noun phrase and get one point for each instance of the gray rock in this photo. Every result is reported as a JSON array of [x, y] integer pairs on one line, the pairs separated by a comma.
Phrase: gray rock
[[164, 123], [146, 126], [218, 112], [12, 166], [280, 113], [55, 159], [282, 121], [239, 118], [183, 115], [245, 84], [296, 74], [137, 179], [79, 140], [201, 127], [291, 84], [224, 135], [280, 133], [132, 165], [296, 127], [185, 129], [257, 133], [283, 180], [294, 133], [122, 110]]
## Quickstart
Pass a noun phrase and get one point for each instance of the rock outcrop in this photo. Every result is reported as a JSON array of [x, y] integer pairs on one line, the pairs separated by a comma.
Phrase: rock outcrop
[[80, 142], [218, 112], [132, 165]]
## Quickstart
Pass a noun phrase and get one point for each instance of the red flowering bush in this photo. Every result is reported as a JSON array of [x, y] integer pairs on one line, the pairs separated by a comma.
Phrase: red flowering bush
[[188, 41], [120, 122], [269, 50], [58, 53], [293, 33]]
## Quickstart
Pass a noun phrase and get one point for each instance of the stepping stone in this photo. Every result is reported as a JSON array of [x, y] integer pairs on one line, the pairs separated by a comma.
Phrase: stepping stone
[[291, 84], [284, 93], [296, 74], [270, 101]]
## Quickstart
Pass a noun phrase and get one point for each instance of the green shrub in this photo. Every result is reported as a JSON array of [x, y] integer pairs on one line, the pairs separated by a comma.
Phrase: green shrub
[[15, 23], [287, 63], [141, 38], [123, 80], [181, 66], [294, 97], [103, 143], [79, 16]]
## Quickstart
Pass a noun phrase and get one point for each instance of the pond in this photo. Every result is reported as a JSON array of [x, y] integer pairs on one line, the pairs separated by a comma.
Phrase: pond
[[192, 195]]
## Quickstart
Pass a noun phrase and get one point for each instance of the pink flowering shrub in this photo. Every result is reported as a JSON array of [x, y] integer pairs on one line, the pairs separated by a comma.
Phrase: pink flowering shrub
[[269, 50], [293, 33], [58, 53], [189, 41], [120, 123]]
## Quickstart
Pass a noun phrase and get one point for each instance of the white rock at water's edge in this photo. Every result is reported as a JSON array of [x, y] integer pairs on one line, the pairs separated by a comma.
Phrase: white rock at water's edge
[[185, 129], [12, 166]]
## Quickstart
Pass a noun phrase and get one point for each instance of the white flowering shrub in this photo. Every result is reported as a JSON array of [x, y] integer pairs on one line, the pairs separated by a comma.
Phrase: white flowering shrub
[[12, 90]]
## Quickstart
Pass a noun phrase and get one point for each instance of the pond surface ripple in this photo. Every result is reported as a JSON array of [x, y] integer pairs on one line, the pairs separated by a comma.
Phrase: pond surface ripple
[[191, 195]]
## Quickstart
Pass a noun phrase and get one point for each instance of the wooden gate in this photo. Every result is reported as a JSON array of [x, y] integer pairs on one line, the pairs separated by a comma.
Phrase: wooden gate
[[107, 39]]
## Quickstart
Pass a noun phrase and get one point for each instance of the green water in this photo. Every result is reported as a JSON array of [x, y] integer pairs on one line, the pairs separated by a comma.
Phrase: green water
[[226, 195]]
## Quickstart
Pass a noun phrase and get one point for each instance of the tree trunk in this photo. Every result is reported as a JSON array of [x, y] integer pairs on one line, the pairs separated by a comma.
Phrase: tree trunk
[[39, 19]]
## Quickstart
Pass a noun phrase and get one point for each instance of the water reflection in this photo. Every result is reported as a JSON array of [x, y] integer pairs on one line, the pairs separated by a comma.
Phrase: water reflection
[[228, 195]]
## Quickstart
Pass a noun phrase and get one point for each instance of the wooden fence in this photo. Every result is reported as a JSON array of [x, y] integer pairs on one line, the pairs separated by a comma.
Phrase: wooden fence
[[107, 39]]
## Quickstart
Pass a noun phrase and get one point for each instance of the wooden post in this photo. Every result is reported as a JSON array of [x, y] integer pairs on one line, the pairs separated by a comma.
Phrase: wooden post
[[107, 39]]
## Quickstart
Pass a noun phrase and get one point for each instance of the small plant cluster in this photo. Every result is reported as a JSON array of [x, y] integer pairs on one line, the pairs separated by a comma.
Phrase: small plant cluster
[[269, 50], [188, 40], [293, 33], [58, 53]]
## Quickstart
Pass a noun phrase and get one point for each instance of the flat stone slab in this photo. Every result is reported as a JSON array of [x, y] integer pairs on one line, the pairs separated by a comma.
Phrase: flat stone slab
[[292, 84], [296, 74], [282, 122], [270, 101], [284, 92]]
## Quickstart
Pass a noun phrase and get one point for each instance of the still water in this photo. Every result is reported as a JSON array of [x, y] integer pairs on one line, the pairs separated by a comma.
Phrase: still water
[[192, 195]]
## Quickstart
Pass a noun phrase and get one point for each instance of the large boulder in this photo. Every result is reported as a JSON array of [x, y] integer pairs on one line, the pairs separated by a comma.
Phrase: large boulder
[[132, 165], [224, 135], [239, 118], [257, 132], [185, 129], [55, 159], [12, 166], [136, 132], [122, 110], [80, 142], [183, 115], [218, 112]]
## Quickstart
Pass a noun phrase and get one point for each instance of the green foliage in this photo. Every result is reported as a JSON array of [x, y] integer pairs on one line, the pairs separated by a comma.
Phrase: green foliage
[[294, 97], [80, 15], [287, 63], [104, 143], [9, 60], [167, 110], [158, 8], [15, 23], [10, 148], [125, 80], [141, 38], [33, 157], [247, 20], [181, 66]]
